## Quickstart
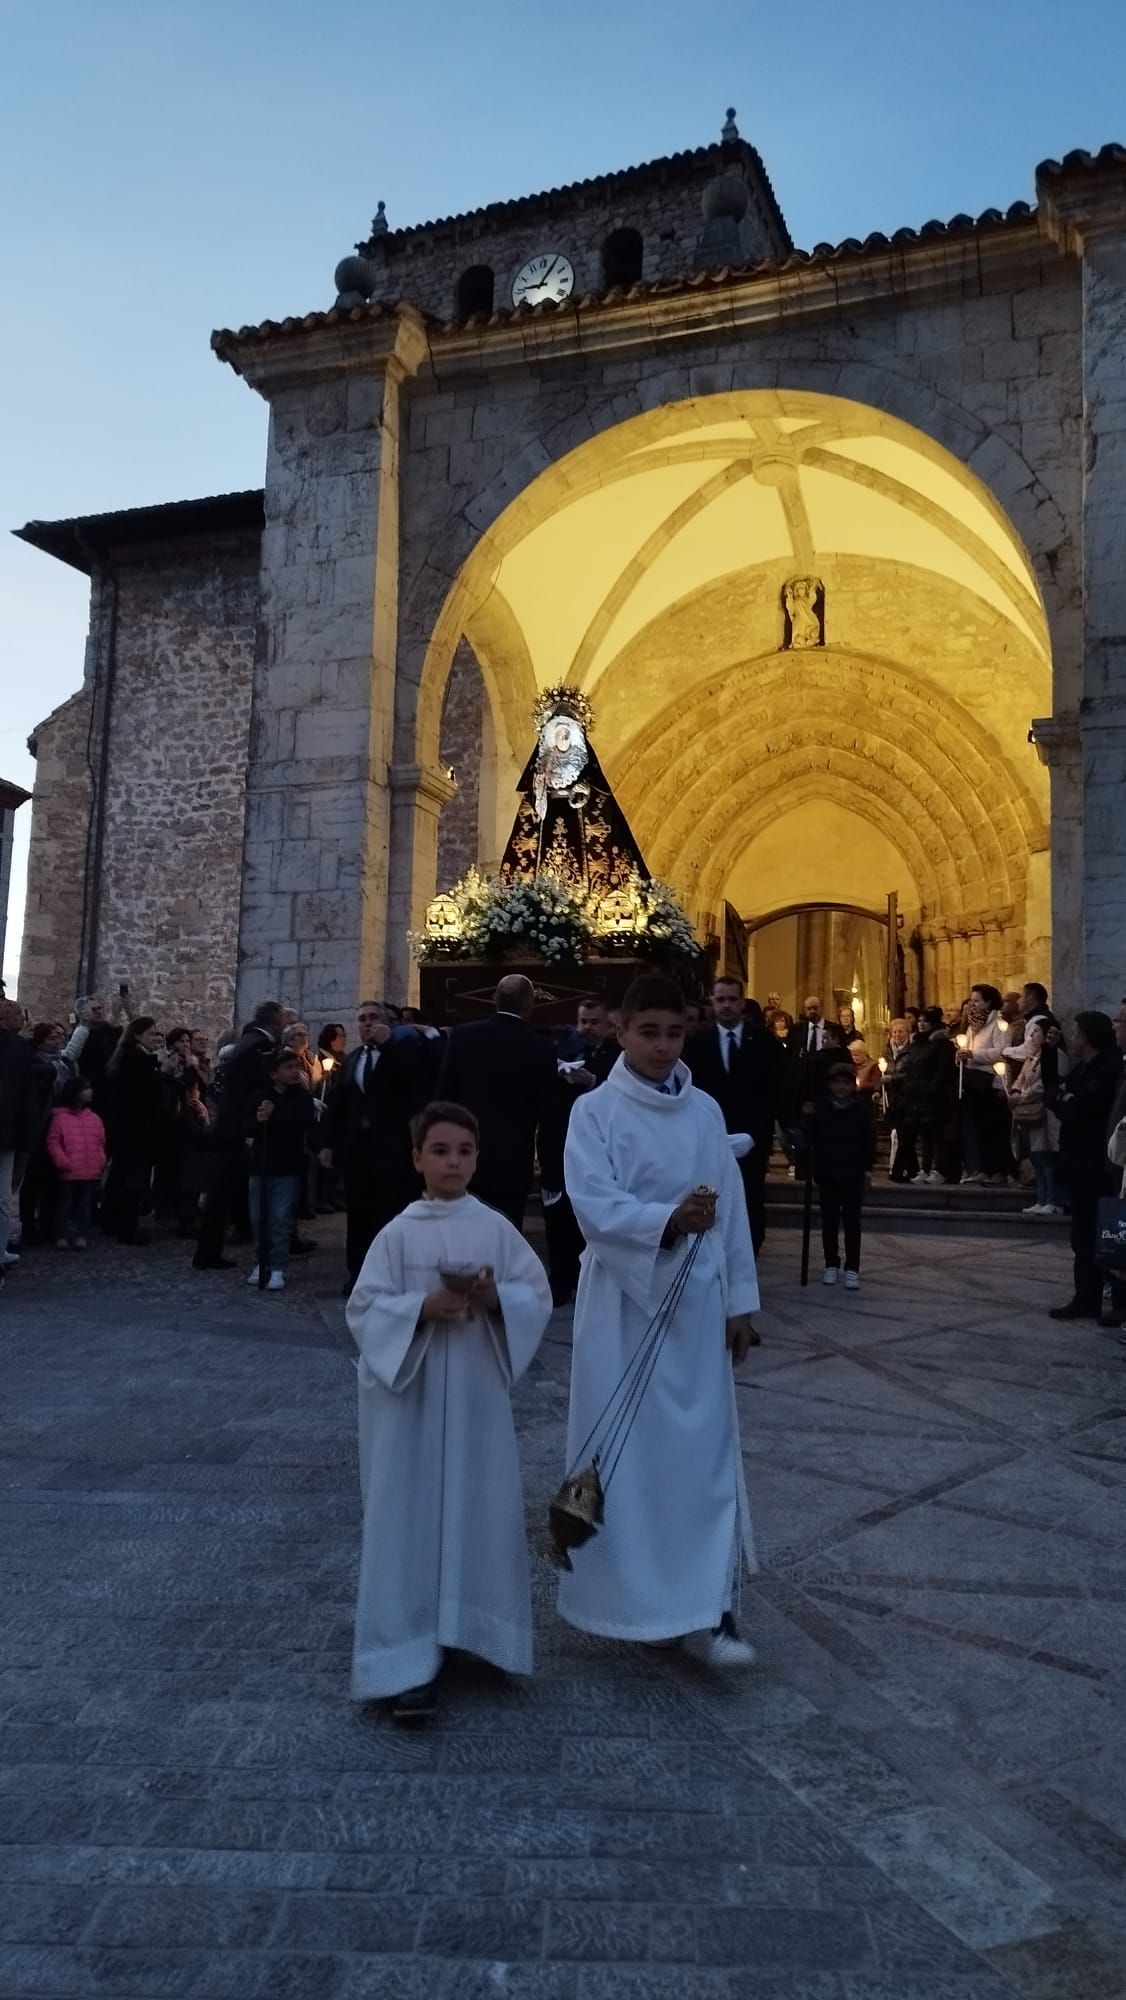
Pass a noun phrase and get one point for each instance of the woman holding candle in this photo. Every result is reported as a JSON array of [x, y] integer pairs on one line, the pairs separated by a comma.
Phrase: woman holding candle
[[986, 1151]]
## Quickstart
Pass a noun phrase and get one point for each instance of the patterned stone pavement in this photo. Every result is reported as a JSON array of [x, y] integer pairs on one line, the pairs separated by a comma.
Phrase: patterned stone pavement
[[919, 1794]]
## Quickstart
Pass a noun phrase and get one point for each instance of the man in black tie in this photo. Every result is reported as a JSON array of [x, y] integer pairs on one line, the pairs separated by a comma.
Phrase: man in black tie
[[743, 1067], [366, 1130], [806, 1037], [506, 1074]]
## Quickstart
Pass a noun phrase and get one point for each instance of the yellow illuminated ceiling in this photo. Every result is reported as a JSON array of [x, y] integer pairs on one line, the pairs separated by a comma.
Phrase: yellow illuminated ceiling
[[648, 567], [788, 482]]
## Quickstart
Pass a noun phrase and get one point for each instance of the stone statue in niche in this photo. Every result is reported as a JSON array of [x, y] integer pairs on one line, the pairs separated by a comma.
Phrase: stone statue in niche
[[803, 602]]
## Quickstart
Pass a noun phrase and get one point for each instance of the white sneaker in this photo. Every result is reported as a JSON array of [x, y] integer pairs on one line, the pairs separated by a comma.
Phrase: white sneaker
[[935, 1178], [1049, 1210], [830, 1275], [723, 1650], [919, 1180], [9, 1257], [276, 1281], [1036, 1209], [852, 1281], [253, 1278]]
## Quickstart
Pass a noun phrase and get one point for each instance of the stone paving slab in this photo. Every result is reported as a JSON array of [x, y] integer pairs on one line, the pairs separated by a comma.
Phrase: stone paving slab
[[916, 1795]]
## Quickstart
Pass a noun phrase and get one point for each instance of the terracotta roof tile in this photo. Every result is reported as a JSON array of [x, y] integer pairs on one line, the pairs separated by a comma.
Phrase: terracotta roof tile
[[76, 541], [224, 341], [1080, 161], [669, 167]]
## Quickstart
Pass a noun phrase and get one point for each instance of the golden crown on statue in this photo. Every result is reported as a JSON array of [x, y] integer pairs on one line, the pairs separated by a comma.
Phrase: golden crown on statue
[[563, 701]]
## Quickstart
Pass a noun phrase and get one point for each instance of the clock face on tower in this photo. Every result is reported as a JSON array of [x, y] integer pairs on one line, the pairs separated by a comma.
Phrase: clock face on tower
[[550, 276]]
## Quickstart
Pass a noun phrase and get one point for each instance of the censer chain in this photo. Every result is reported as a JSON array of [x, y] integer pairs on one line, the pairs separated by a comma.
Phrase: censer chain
[[611, 1455], [624, 1400]]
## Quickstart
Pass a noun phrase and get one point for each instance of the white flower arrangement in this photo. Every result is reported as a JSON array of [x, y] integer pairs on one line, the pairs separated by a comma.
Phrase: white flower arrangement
[[544, 918]]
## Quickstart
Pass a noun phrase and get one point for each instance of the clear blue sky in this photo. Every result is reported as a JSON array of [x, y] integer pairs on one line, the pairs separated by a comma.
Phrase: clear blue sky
[[174, 165]]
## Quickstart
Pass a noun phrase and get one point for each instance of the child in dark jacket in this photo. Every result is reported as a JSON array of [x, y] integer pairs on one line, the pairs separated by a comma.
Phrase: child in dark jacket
[[76, 1142], [280, 1121], [844, 1144]]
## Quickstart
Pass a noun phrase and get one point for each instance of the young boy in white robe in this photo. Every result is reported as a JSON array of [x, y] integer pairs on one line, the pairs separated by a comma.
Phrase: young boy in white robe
[[447, 1312], [666, 1562]]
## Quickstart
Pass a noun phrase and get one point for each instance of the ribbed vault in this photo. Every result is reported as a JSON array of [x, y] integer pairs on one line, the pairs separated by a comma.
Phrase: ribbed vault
[[649, 566]]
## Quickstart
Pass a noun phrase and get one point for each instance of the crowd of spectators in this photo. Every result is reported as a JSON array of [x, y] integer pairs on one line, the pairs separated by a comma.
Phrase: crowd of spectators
[[117, 1122]]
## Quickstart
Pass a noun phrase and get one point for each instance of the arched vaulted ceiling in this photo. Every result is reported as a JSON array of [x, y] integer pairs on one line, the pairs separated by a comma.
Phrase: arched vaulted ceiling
[[648, 567]]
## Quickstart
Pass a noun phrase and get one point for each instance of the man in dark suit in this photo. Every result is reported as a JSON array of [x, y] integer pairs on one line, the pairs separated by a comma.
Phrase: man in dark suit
[[587, 1062], [236, 1079], [807, 1036], [506, 1075], [366, 1129], [743, 1067]]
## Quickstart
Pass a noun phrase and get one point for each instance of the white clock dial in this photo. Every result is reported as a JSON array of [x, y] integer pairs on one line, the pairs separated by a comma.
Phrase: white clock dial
[[549, 276]]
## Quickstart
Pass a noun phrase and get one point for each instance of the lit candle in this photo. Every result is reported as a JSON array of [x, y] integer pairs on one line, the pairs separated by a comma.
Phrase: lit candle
[[963, 1042]]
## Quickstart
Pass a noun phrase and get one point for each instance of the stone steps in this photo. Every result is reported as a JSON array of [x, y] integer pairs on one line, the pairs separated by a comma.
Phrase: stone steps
[[953, 1210]]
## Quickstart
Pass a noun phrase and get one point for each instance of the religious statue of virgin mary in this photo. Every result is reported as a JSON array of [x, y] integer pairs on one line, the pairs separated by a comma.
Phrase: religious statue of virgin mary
[[569, 823]]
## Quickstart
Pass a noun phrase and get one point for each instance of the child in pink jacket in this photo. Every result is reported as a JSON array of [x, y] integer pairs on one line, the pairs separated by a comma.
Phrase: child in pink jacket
[[76, 1141]]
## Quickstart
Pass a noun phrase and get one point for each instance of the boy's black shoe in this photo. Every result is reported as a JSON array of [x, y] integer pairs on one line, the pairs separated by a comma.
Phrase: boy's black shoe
[[1074, 1309], [415, 1705], [214, 1264]]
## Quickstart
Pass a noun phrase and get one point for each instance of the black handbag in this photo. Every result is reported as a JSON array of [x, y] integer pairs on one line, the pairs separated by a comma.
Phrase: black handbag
[[1110, 1230]]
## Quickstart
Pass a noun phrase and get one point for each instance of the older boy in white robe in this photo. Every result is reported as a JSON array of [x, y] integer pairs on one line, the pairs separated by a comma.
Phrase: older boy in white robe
[[666, 1561], [444, 1562]]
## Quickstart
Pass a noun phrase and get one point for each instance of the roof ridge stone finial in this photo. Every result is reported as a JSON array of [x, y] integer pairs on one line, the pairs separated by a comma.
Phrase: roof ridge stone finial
[[730, 131], [379, 223]]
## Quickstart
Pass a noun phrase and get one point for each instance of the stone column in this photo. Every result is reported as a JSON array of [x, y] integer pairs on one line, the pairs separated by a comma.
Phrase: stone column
[[1083, 207], [417, 798], [930, 977], [313, 920], [946, 995], [1058, 745]]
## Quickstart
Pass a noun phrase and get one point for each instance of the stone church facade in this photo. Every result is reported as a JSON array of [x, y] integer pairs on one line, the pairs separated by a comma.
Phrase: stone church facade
[[836, 541]]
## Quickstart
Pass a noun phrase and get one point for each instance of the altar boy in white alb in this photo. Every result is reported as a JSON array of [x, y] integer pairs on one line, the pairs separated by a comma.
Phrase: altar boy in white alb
[[447, 1312], [666, 1561]]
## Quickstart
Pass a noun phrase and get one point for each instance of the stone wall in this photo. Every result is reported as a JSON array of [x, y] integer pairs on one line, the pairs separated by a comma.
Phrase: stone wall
[[461, 749], [174, 808], [50, 965], [425, 264]]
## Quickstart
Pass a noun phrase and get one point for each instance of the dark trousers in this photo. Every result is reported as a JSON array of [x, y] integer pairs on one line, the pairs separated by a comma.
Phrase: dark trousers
[[906, 1164], [39, 1191], [74, 1213], [1084, 1193], [986, 1144], [564, 1247], [753, 1170], [918, 1143], [226, 1193], [127, 1191], [841, 1202], [371, 1205], [511, 1202]]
